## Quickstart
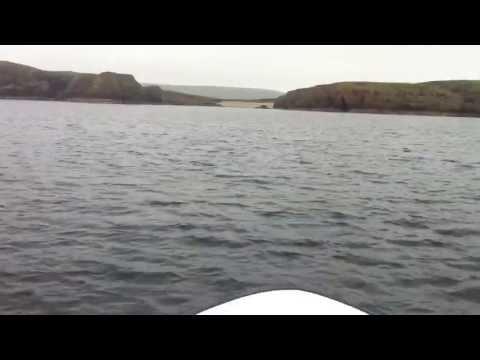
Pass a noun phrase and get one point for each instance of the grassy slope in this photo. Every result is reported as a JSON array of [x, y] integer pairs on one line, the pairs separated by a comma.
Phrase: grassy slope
[[442, 97], [21, 81]]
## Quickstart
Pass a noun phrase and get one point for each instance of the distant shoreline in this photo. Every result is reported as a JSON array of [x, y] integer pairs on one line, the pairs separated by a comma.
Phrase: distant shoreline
[[384, 112], [225, 104], [100, 101], [77, 100], [247, 104]]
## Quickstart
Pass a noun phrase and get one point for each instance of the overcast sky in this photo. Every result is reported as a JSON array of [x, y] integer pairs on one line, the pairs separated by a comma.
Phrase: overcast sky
[[273, 67]]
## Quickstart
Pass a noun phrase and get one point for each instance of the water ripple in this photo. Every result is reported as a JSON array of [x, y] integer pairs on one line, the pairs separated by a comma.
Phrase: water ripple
[[458, 232], [166, 210]]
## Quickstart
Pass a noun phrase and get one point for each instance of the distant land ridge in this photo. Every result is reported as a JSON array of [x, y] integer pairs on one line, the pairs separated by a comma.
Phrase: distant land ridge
[[26, 82], [453, 97], [224, 92]]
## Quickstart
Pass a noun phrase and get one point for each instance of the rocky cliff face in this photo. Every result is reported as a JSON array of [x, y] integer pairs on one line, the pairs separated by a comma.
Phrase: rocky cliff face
[[21, 81], [456, 97], [24, 81], [120, 87]]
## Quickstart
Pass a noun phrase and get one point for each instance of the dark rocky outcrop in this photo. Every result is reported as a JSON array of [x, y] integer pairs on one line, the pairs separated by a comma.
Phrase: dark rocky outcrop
[[439, 97], [21, 81]]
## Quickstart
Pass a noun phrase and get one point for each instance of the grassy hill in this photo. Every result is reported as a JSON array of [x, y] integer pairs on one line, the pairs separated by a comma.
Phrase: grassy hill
[[442, 97], [21, 81]]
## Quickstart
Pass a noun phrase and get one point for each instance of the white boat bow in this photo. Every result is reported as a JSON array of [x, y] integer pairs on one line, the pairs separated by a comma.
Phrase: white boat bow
[[283, 302]]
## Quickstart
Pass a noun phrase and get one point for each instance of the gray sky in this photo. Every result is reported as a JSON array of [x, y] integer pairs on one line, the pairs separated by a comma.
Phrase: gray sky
[[273, 67]]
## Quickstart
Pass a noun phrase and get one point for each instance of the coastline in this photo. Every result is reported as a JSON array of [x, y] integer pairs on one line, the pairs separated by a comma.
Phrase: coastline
[[77, 100], [384, 112], [248, 104], [226, 104]]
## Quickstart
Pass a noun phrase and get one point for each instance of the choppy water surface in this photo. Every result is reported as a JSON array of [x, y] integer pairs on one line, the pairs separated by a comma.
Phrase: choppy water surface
[[170, 210]]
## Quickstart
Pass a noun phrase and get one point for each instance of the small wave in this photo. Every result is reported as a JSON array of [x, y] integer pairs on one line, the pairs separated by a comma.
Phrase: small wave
[[208, 270], [357, 283], [343, 215], [11, 181], [366, 261], [379, 182], [317, 201], [165, 203], [361, 172], [211, 241], [472, 197], [467, 266], [22, 293], [419, 310], [173, 300], [227, 176], [338, 215], [172, 227], [419, 243], [440, 281], [471, 294], [208, 215], [134, 152], [285, 254], [279, 213], [408, 223], [258, 181], [303, 225], [145, 277], [309, 243], [400, 159], [235, 204], [119, 211], [73, 233], [184, 227], [458, 232], [368, 173], [122, 227], [345, 224], [466, 166], [123, 185], [431, 201], [231, 284], [357, 245], [201, 163], [309, 188], [439, 191]]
